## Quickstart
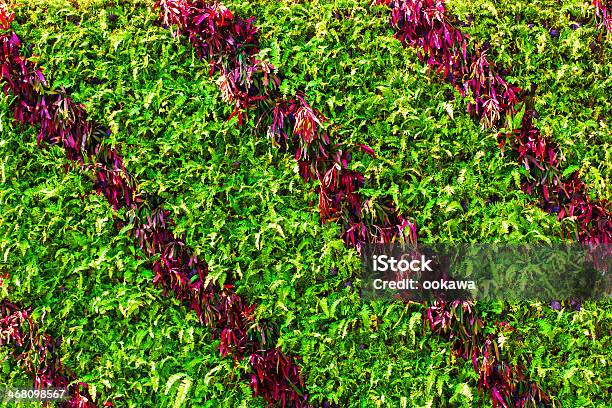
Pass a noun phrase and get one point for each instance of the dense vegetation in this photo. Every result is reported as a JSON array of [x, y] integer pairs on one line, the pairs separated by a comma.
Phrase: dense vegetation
[[244, 208]]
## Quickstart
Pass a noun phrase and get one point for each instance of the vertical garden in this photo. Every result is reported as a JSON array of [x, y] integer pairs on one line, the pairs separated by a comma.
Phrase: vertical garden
[[187, 189]]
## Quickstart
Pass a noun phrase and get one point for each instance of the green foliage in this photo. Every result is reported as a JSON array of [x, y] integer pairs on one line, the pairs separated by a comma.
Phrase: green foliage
[[242, 205]]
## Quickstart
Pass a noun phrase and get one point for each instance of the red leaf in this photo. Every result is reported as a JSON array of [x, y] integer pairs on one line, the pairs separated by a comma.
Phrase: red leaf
[[368, 150]]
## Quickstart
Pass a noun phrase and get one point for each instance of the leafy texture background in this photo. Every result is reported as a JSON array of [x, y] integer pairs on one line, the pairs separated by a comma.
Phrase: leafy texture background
[[243, 207]]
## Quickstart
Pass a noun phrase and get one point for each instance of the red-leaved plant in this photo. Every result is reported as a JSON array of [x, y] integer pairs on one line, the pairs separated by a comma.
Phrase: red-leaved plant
[[423, 24], [603, 12], [37, 354], [506, 382], [275, 376]]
